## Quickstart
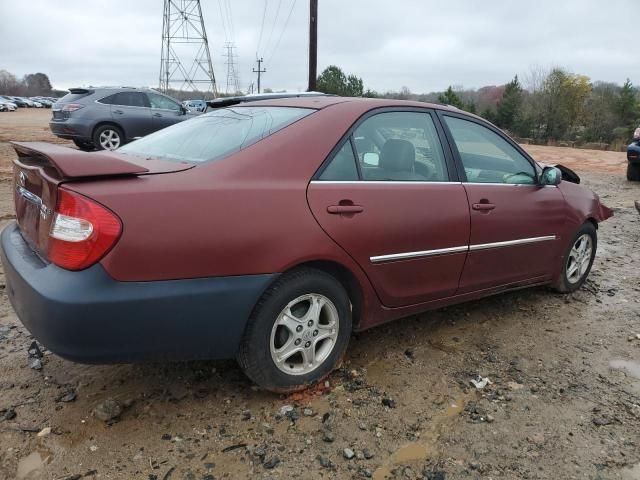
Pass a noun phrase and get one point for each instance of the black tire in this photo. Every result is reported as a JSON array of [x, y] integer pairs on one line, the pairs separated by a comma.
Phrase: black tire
[[110, 130], [254, 355], [84, 145], [633, 172], [565, 284]]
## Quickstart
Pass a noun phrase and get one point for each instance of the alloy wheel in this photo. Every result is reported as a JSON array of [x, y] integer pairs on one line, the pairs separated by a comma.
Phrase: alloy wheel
[[109, 139], [304, 334], [579, 258]]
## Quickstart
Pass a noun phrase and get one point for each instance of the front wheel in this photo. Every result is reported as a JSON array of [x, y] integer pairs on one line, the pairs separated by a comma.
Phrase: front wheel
[[578, 259], [298, 331]]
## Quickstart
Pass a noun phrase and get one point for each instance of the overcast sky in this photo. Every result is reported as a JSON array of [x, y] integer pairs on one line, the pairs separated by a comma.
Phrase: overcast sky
[[425, 45]]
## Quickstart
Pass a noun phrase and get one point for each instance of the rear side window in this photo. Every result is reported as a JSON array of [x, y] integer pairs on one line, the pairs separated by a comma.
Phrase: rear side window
[[342, 166], [216, 134]]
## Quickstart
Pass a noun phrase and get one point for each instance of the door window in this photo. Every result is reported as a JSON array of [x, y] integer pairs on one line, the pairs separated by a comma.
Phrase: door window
[[342, 166], [487, 157], [162, 102], [126, 99], [400, 146]]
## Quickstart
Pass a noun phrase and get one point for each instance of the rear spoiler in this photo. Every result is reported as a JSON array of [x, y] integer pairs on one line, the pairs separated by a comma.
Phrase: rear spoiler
[[71, 163], [229, 101]]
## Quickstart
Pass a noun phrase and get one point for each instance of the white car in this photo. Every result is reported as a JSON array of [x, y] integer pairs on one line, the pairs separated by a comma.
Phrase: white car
[[7, 106]]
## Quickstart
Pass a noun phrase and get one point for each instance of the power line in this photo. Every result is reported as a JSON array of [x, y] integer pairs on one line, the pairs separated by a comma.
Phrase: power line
[[273, 27], [223, 20], [286, 22], [264, 15]]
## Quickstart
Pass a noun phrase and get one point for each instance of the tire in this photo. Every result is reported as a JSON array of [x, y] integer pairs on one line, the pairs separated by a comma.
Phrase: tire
[[108, 137], [84, 145], [266, 336], [571, 280], [633, 172]]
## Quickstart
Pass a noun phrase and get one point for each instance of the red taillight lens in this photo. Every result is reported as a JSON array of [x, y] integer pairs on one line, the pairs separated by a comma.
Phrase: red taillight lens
[[72, 107], [82, 231]]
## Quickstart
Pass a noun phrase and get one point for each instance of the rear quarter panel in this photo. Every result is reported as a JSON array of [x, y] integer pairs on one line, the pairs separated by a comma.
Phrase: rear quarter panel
[[246, 214]]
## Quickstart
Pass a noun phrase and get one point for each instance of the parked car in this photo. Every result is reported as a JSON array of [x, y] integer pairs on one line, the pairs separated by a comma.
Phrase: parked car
[[195, 105], [268, 231], [106, 118], [633, 161], [46, 103], [6, 106], [18, 101]]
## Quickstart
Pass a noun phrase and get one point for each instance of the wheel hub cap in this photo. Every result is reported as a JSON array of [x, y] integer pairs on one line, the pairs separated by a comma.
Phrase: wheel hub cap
[[304, 334], [579, 258]]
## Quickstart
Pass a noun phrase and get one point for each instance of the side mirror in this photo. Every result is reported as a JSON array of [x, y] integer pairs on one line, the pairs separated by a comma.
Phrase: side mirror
[[371, 158], [183, 110], [550, 176]]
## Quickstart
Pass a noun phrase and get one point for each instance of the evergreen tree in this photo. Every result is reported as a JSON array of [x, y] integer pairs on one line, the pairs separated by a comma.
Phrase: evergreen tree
[[509, 105], [449, 97]]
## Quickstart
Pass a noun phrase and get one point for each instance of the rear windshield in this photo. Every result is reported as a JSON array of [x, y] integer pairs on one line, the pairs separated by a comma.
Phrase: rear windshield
[[216, 134]]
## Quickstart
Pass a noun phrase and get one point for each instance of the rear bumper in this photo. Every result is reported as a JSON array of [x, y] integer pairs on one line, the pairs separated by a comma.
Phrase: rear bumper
[[88, 317], [71, 130]]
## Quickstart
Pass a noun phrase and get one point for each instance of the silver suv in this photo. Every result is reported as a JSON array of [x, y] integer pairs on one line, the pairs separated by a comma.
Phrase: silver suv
[[105, 118]]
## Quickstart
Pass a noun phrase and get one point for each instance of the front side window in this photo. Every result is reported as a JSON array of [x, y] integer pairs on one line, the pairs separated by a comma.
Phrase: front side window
[[216, 134], [487, 157], [400, 146], [160, 101]]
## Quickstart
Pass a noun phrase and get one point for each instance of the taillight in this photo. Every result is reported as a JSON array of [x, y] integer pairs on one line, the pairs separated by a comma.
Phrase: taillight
[[71, 107], [82, 231]]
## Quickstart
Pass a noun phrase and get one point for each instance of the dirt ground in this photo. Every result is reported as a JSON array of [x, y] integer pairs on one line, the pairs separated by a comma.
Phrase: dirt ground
[[563, 402]]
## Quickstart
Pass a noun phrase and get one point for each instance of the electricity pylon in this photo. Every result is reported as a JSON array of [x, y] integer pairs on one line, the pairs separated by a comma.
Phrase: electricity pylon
[[185, 59]]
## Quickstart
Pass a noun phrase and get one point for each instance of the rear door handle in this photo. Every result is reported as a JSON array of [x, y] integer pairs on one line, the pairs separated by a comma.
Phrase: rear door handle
[[338, 209], [483, 207], [119, 112], [157, 114]]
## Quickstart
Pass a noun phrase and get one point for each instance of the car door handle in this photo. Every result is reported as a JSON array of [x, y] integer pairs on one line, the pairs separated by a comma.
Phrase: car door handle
[[483, 207], [339, 209], [157, 114], [119, 112]]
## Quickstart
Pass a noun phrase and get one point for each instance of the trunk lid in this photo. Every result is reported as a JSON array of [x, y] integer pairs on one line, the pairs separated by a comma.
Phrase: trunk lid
[[42, 167]]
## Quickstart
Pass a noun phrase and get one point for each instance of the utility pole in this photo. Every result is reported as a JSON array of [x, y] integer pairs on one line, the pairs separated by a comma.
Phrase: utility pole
[[313, 44], [259, 71]]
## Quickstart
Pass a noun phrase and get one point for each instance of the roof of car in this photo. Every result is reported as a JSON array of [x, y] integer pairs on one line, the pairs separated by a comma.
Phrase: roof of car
[[323, 101]]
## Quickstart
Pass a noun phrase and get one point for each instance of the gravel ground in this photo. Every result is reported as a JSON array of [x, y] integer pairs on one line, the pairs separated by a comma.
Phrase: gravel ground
[[563, 402]]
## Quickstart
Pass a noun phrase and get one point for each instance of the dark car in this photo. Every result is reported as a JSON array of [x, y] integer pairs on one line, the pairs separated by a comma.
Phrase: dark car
[[269, 231], [633, 161], [106, 118], [18, 101]]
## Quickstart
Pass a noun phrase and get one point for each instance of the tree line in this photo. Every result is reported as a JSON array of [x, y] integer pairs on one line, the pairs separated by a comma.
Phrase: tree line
[[31, 85], [554, 105]]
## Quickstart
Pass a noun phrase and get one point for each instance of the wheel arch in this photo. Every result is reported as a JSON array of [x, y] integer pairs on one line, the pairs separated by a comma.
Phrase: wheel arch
[[109, 122], [345, 277]]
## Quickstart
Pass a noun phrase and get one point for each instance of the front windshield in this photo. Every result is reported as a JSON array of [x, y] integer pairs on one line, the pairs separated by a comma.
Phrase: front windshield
[[216, 134]]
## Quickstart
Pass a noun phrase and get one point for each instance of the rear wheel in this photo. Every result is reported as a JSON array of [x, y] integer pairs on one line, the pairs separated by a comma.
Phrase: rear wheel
[[578, 259], [84, 145], [108, 137], [298, 331], [633, 172]]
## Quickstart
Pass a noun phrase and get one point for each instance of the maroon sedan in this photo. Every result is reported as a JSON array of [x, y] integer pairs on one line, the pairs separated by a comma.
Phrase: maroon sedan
[[268, 231]]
